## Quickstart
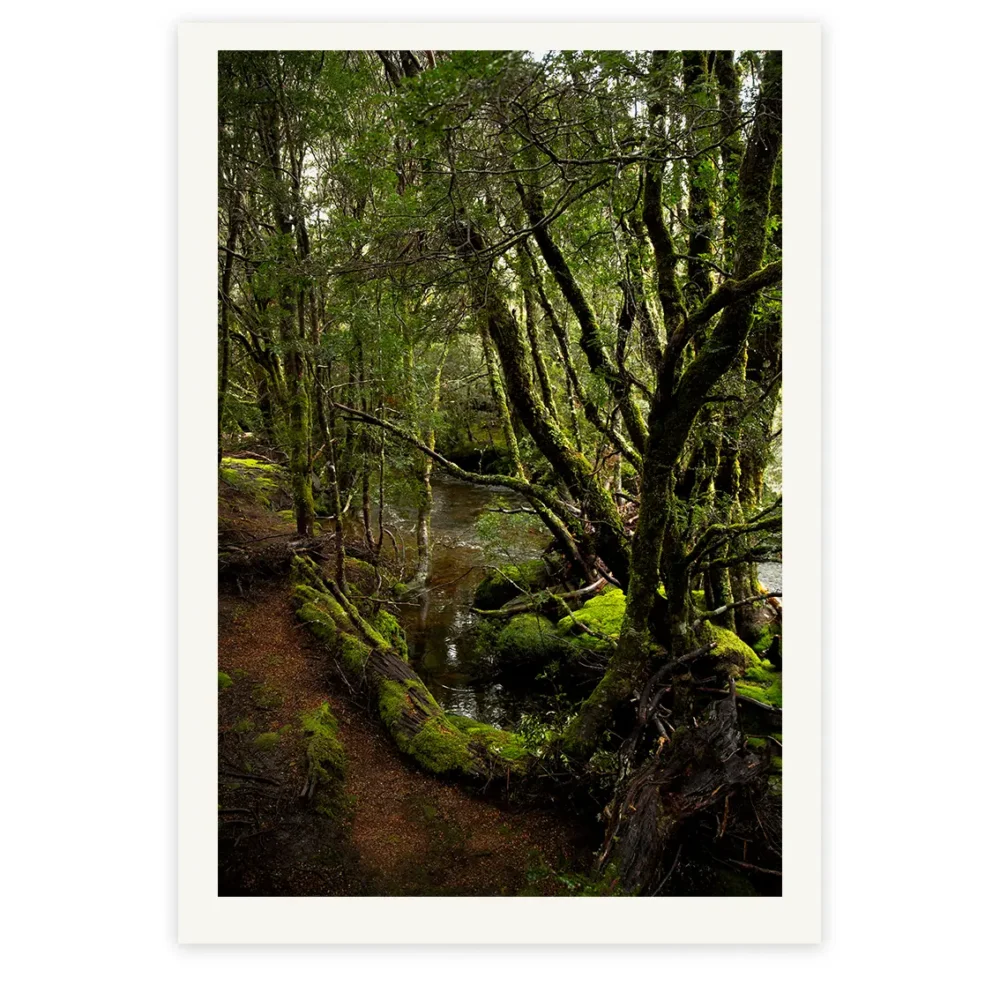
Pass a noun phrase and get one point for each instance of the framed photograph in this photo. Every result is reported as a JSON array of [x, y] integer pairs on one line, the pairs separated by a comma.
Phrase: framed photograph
[[499, 401]]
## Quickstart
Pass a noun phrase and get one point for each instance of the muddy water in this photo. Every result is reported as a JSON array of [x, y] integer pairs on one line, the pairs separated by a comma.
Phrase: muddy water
[[440, 624]]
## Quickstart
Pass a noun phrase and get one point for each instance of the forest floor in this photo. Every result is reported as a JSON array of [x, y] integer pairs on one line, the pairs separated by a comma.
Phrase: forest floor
[[398, 830]]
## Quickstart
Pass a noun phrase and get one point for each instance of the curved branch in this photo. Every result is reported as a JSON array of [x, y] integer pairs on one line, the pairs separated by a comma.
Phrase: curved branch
[[483, 479]]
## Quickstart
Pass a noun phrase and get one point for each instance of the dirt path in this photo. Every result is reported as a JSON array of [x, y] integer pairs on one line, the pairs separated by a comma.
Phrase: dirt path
[[408, 833]]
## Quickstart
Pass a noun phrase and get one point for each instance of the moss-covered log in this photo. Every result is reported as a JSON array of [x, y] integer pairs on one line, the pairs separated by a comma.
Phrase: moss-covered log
[[439, 743]]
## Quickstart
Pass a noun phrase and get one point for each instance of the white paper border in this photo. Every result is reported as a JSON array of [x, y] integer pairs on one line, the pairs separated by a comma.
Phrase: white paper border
[[203, 916]]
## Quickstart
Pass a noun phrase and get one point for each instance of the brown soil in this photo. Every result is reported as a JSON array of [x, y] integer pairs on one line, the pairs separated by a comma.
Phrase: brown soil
[[400, 831]]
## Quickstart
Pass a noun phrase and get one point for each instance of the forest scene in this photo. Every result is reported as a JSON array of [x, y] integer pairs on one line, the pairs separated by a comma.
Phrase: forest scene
[[500, 485]]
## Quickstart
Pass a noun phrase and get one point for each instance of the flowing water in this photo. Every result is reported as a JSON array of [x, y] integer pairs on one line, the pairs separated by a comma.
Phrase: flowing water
[[440, 623], [441, 626]]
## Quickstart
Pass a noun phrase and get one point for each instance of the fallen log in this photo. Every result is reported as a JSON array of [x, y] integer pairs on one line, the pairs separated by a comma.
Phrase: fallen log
[[438, 742], [271, 557], [540, 601]]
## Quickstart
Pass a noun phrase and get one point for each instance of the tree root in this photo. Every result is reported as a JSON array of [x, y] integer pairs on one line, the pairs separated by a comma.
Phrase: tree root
[[695, 773]]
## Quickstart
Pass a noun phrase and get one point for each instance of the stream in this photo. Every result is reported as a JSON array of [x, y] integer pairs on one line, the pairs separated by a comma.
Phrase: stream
[[440, 623]]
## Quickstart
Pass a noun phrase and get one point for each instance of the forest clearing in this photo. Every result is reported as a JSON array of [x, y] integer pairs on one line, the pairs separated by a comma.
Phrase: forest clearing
[[499, 444]]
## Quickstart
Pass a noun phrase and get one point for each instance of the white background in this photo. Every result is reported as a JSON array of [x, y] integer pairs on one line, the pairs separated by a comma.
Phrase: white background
[[88, 378]]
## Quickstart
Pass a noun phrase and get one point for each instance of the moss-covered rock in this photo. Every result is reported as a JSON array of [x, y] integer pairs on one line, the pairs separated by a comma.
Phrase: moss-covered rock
[[267, 741], [730, 652], [761, 683], [506, 582], [602, 615], [763, 637], [528, 641]]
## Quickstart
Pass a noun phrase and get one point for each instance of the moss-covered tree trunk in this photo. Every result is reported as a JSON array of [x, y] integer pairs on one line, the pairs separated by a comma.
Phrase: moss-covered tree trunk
[[425, 464], [573, 468], [590, 339], [284, 214], [657, 542]]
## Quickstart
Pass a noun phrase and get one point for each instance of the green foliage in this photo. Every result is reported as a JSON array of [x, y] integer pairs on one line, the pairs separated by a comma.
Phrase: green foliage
[[544, 879]]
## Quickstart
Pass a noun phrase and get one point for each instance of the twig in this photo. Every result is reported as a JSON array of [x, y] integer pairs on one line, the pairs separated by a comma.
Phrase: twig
[[736, 604], [666, 877], [249, 777]]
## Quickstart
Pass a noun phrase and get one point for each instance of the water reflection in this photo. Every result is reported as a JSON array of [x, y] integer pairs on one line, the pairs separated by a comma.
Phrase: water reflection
[[440, 624]]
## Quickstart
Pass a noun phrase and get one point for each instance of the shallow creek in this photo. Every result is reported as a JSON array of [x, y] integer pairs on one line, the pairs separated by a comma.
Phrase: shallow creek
[[440, 623]]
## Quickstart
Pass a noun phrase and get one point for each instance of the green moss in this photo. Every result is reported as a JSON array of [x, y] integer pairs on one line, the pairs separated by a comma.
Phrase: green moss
[[267, 741], [730, 650], [509, 581], [441, 748], [266, 697], [257, 480], [490, 741], [325, 754], [361, 574], [438, 745], [287, 515], [393, 700], [528, 641], [225, 681], [602, 614], [244, 725], [762, 683], [390, 630], [763, 637], [254, 464], [467, 725], [328, 621]]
